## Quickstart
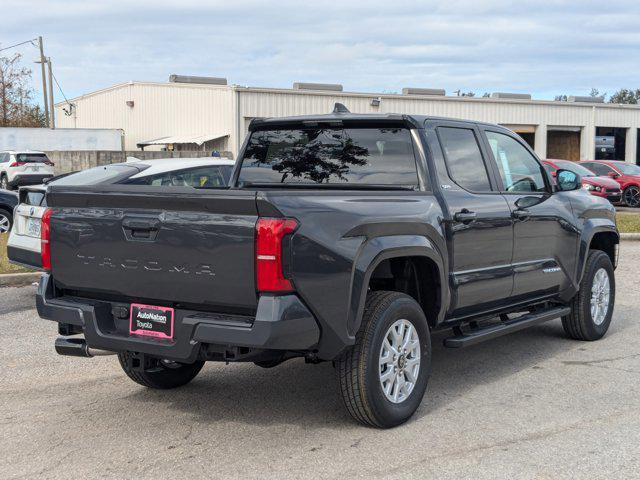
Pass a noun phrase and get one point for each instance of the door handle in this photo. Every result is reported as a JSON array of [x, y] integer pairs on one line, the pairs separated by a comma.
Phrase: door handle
[[464, 216], [521, 214], [141, 224], [141, 229]]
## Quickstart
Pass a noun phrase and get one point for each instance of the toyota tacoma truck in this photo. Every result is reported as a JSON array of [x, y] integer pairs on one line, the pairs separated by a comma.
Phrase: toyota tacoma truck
[[343, 237]]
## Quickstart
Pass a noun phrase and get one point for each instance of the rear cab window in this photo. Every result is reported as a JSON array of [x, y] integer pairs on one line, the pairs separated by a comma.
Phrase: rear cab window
[[315, 156]]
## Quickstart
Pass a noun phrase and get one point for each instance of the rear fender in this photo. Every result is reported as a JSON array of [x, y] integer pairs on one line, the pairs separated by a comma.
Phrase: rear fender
[[382, 248]]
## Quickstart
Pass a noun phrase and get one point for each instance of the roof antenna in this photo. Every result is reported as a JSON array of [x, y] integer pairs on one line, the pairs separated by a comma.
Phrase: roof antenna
[[340, 108]]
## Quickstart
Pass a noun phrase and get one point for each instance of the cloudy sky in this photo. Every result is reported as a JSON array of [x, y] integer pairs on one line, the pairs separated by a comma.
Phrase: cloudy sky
[[541, 47]]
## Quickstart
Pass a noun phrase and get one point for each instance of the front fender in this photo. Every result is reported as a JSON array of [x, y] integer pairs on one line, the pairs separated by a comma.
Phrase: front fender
[[382, 248]]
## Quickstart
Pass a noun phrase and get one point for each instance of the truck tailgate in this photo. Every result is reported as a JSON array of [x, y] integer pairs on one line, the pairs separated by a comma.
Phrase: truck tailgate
[[165, 246]]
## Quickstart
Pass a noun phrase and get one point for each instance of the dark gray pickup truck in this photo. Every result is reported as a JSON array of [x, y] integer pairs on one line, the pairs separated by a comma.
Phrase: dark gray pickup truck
[[345, 238]]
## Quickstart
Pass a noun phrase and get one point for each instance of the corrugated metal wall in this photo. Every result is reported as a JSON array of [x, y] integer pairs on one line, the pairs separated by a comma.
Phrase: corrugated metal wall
[[164, 109], [542, 115], [159, 110]]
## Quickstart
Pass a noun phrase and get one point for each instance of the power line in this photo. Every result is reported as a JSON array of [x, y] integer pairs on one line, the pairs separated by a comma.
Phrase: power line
[[60, 88], [21, 43]]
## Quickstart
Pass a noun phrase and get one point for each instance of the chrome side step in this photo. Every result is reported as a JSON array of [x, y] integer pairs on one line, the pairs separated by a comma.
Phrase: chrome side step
[[481, 334]]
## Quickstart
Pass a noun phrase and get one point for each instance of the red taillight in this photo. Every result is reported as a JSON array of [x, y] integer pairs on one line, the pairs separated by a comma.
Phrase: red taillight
[[45, 234], [269, 234], [17, 164]]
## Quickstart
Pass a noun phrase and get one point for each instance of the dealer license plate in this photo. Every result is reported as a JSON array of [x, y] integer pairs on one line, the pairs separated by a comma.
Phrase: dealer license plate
[[151, 321]]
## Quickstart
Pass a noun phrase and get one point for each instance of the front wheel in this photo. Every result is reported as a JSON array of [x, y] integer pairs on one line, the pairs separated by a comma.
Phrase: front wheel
[[162, 374], [631, 196], [592, 307], [384, 375]]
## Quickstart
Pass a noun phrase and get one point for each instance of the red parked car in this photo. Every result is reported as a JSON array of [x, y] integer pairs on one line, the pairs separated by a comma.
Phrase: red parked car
[[626, 174], [600, 186]]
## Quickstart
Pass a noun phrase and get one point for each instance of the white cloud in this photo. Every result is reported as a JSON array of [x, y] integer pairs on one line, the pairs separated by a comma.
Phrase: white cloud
[[542, 47]]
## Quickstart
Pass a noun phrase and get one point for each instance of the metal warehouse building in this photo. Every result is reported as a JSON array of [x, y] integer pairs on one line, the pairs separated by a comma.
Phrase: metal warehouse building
[[204, 113]]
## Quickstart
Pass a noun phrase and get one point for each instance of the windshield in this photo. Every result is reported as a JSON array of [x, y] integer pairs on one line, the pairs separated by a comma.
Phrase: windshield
[[371, 156], [628, 168], [575, 168], [32, 158], [93, 176]]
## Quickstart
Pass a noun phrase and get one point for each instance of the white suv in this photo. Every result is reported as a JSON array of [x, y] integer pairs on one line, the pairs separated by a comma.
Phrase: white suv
[[19, 168]]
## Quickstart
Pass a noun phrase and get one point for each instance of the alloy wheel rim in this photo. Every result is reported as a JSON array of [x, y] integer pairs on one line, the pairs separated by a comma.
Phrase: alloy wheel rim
[[4, 224], [600, 293], [632, 196], [399, 361]]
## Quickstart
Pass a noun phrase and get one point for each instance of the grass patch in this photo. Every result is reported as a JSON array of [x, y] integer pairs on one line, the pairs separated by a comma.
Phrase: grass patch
[[628, 222], [5, 266]]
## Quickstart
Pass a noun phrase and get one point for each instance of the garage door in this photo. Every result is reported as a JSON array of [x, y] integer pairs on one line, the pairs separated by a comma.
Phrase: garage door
[[563, 145]]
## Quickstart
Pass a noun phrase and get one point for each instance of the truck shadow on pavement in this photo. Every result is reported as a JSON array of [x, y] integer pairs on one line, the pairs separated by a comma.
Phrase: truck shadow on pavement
[[307, 395]]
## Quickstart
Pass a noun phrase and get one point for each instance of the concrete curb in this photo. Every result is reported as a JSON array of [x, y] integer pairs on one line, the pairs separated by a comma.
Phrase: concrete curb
[[630, 236], [19, 279]]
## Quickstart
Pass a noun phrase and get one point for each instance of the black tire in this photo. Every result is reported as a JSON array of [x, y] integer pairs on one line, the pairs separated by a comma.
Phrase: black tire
[[359, 368], [4, 214], [161, 377], [631, 196], [580, 325]]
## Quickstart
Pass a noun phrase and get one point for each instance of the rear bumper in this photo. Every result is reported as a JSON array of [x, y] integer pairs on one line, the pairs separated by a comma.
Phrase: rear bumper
[[20, 180], [281, 323]]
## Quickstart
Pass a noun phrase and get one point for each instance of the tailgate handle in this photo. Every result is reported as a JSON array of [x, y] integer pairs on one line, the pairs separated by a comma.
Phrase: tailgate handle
[[140, 229]]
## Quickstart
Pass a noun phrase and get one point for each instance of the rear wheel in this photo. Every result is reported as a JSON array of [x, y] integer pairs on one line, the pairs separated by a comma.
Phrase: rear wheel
[[631, 196], [6, 221], [162, 374], [592, 307], [383, 376]]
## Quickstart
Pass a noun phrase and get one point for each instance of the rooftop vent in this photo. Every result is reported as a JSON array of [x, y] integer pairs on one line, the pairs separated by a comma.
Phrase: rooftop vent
[[587, 99], [435, 92], [511, 96], [330, 87], [201, 80]]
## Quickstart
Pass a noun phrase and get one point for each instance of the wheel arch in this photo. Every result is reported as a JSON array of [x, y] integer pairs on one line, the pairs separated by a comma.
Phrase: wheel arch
[[598, 234], [389, 252]]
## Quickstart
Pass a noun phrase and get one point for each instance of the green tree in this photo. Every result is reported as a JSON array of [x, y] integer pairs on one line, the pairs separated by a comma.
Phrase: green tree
[[16, 105], [626, 96]]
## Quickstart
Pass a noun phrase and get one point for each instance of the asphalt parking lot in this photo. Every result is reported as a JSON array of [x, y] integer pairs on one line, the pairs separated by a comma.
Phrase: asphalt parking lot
[[530, 405]]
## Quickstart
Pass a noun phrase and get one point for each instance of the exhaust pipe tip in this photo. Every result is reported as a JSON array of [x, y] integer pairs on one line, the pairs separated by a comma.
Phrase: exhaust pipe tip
[[77, 347]]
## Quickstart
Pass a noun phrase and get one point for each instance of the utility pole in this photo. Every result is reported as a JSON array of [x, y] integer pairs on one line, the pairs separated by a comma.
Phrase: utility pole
[[44, 80], [52, 111]]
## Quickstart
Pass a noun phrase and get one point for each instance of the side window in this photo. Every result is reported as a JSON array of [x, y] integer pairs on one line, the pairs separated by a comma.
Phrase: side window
[[519, 170], [464, 159], [599, 168], [4, 157], [202, 177]]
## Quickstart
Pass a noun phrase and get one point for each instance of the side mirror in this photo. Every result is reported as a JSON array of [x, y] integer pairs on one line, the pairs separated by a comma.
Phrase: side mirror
[[613, 175], [568, 180]]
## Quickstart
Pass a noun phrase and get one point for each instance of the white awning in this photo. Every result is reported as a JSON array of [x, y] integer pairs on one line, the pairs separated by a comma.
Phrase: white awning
[[173, 139]]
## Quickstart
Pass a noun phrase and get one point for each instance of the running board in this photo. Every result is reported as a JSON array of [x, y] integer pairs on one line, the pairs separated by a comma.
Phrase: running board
[[464, 339]]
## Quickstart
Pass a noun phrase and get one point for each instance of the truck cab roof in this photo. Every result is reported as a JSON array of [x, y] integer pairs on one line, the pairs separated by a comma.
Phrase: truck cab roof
[[338, 118]]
